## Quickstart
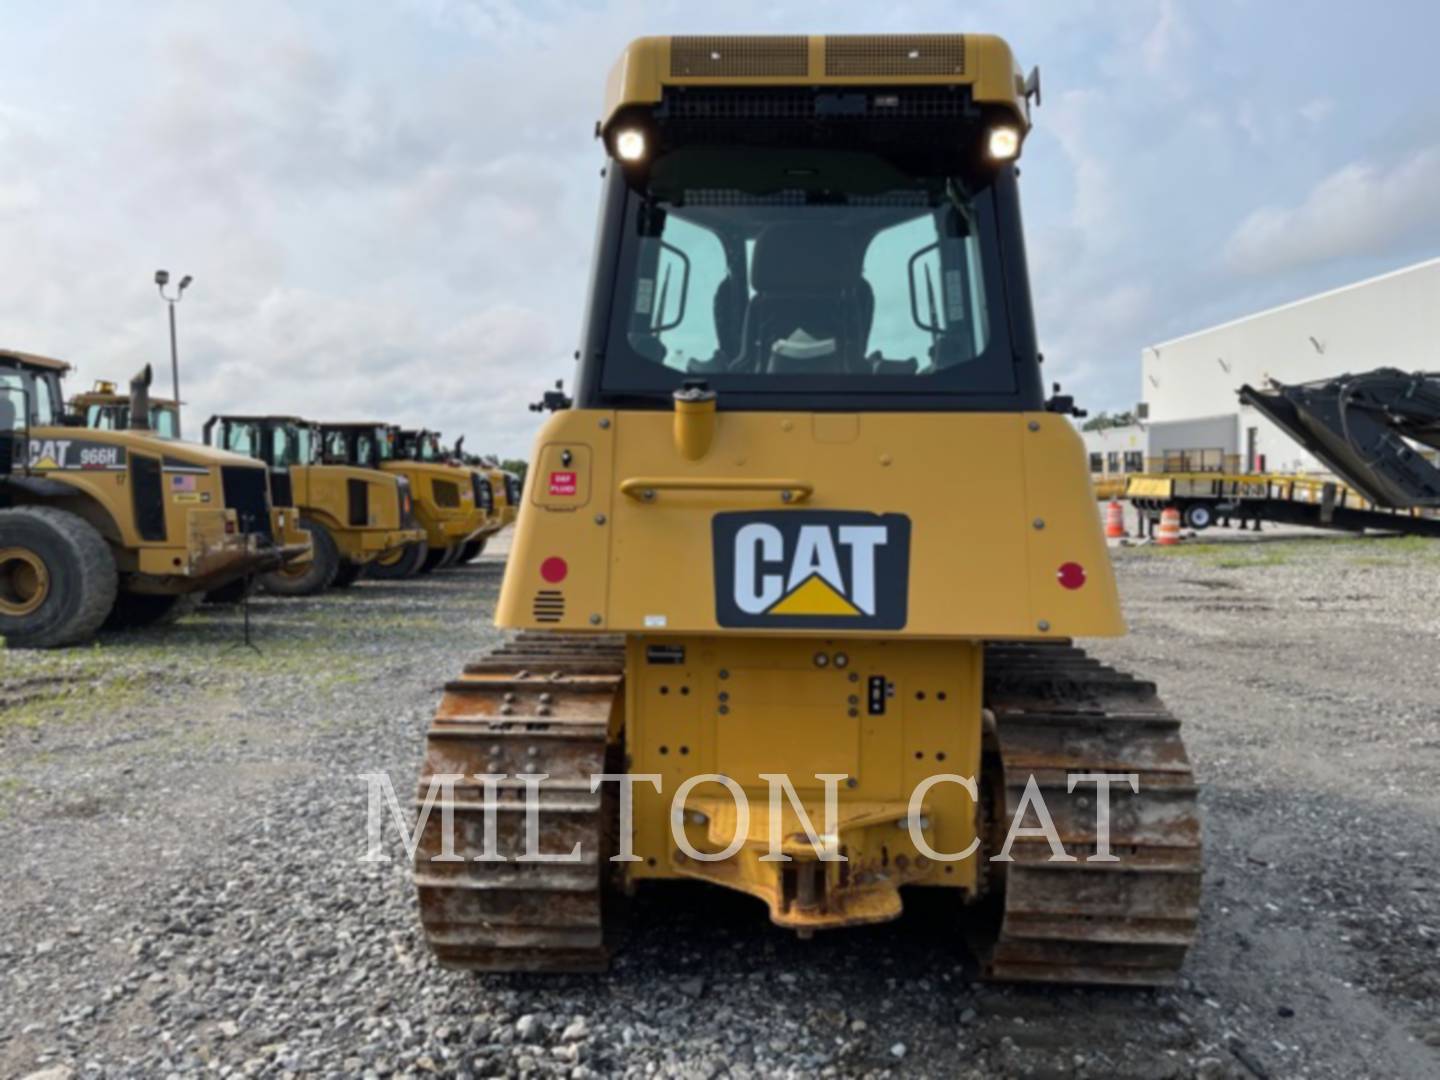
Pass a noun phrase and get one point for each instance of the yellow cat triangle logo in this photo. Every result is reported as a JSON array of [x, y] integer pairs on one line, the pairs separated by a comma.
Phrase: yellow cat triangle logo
[[814, 596]]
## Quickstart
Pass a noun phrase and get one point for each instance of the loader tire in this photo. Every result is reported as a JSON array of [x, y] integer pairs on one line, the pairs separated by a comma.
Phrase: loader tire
[[403, 565], [310, 579], [57, 578], [134, 611], [347, 575], [472, 550], [435, 559]]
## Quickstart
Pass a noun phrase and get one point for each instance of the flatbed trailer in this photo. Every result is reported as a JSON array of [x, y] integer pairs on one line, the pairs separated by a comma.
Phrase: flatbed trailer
[[1206, 499]]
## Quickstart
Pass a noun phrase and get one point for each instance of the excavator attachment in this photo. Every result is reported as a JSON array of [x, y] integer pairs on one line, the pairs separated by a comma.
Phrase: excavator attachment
[[1363, 428]]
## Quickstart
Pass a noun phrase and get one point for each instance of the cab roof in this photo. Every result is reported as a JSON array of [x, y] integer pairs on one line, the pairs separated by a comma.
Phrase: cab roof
[[256, 419], [34, 360], [982, 62]]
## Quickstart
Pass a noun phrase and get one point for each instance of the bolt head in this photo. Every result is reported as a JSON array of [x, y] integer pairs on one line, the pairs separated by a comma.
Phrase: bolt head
[[595, 619]]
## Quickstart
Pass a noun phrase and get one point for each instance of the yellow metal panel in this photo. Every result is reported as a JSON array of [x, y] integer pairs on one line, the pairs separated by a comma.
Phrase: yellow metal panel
[[1064, 543], [580, 538], [742, 706], [972, 485]]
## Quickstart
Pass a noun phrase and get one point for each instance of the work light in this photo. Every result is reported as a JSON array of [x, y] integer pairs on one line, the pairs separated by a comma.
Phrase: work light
[[630, 145], [1004, 143]]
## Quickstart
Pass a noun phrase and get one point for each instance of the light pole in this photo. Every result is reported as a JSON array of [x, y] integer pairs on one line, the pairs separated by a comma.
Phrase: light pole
[[162, 278]]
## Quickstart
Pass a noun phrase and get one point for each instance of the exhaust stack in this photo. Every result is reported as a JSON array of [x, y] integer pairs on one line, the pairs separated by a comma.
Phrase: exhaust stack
[[140, 400]]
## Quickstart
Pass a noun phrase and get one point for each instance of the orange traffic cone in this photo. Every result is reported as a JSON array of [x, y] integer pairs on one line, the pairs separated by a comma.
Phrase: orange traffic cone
[[1114, 519], [1169, 531]]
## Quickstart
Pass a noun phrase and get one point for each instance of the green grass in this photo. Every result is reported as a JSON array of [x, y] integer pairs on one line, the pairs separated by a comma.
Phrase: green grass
[[1358, 550]]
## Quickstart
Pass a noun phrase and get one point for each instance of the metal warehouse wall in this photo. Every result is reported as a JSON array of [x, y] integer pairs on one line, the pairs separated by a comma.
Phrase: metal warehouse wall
[[1393, 320]]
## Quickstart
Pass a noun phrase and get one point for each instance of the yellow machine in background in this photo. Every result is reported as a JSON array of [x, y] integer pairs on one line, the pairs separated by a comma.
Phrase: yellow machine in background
[[121, 525], [104, 408], [354, 515], [444, 495], [757, 544]]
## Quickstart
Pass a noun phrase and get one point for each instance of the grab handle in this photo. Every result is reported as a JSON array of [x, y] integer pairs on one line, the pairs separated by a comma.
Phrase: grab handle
[[648, 488]]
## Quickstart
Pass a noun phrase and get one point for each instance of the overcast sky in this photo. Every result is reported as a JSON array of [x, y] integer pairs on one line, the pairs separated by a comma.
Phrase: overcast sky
[[388, 206]]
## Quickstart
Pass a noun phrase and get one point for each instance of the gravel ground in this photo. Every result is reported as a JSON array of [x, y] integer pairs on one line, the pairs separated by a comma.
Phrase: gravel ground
[[181, 822]]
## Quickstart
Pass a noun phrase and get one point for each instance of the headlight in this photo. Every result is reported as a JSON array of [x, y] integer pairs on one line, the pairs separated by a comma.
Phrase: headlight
[[630, 145], [1004, 143]]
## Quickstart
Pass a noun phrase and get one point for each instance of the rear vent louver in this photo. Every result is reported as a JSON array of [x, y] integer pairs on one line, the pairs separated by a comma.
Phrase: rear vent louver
[[895, 54], [730, 57], [549, 606]]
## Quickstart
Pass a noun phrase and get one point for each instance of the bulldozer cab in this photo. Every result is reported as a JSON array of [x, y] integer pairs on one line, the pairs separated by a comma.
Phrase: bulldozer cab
[[849, 252]]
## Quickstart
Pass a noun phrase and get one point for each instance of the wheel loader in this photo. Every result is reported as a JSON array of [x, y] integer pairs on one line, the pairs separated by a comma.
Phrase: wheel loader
[[104, 407], [800, 565], [117, 525], [353, 515], [447, 506]]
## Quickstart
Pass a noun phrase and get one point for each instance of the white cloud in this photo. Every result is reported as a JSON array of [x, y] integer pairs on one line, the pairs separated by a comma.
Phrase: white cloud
[[1360, 209]]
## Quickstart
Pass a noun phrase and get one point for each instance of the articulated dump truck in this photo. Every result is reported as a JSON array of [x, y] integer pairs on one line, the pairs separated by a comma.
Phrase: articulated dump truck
[[118, 524], [354, 515], [810, 519]]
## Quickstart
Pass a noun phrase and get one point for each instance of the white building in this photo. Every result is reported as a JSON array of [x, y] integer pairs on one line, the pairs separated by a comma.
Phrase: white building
[[1188, 404], [1115, 451]]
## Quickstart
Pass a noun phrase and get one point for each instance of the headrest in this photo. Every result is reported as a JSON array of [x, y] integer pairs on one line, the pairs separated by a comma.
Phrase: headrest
[[803, 257]]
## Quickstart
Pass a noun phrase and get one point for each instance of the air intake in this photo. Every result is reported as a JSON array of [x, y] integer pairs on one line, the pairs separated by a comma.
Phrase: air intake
[[722, 57], [894, 54]]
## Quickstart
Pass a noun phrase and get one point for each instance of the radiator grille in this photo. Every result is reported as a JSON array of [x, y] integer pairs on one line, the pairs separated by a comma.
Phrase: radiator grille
[[689, 110], [447, 494], [549, 605], [722, 56], [895, 54], [247, 493]]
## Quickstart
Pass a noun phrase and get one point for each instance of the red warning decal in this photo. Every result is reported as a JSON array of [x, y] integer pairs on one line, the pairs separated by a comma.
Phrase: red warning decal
[[562, 483]]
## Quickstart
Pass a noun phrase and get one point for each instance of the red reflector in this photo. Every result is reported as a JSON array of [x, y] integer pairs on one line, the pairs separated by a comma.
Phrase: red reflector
[[1071, 575], [554, 570]]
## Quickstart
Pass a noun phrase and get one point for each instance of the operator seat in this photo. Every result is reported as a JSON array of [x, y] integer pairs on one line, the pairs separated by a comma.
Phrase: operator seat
[[808, 290]]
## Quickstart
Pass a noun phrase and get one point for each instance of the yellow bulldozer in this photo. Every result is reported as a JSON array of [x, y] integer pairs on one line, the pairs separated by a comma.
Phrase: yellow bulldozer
[[450, 506], [354, 515], [119, 524], [800, 564]]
